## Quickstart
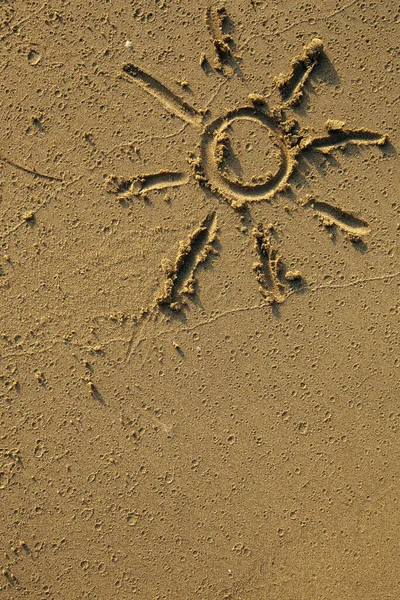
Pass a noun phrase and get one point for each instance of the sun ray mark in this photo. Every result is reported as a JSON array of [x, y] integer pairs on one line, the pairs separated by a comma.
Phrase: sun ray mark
[[127, 188], [181, 278], [291, 85], [215, 18], [339, 136], [172, 102], [162, 180], [218, 25], [181, 275], [334, 215], [268, 268]]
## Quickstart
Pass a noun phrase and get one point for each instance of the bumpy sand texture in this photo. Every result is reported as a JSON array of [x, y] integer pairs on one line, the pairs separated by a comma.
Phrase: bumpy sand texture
[[199, 285]]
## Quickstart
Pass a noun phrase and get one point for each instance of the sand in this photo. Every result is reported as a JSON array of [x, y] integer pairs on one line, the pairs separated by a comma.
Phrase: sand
[[199, 278]]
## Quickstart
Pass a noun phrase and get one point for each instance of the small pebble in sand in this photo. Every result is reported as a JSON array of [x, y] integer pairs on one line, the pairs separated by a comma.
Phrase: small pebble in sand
[[29, 215], [128, 44]]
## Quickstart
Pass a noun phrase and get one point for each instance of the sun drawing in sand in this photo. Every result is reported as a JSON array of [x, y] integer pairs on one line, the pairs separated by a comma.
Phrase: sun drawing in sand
[[209, 169]]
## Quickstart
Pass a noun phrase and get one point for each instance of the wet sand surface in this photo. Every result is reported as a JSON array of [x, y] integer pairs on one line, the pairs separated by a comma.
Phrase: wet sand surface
[[199, 279]]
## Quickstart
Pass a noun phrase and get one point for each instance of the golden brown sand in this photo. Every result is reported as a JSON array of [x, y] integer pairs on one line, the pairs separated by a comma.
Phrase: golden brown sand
[[199, 277]]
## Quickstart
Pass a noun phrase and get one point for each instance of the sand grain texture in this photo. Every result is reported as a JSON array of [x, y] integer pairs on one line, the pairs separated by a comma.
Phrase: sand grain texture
[[199, 279]]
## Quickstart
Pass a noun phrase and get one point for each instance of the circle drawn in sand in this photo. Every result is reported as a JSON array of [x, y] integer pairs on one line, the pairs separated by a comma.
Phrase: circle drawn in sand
[[213, 147]]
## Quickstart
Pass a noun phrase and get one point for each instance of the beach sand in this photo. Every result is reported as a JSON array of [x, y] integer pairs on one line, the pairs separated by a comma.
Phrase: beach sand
[[199, 279]]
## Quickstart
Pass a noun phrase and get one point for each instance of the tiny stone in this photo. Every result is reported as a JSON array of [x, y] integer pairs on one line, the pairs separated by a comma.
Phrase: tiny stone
[[29, 215], [293, 275]]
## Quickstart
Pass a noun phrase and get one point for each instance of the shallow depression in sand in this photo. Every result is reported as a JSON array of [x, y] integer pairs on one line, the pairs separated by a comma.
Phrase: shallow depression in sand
[[250, 152]]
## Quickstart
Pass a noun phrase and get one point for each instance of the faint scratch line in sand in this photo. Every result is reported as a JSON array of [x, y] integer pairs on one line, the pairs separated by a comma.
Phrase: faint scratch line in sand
[[31, 171], [339, 10], [264, 306], [131, 346], [137, 338], [356, 282]]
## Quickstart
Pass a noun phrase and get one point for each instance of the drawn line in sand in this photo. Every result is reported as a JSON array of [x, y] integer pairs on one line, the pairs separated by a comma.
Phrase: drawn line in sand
[[286, 136], [273, 281], [181, 275], [171, 101], [333, 215], [291, 85], [217, 21], [31, 171], [139, 186]]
